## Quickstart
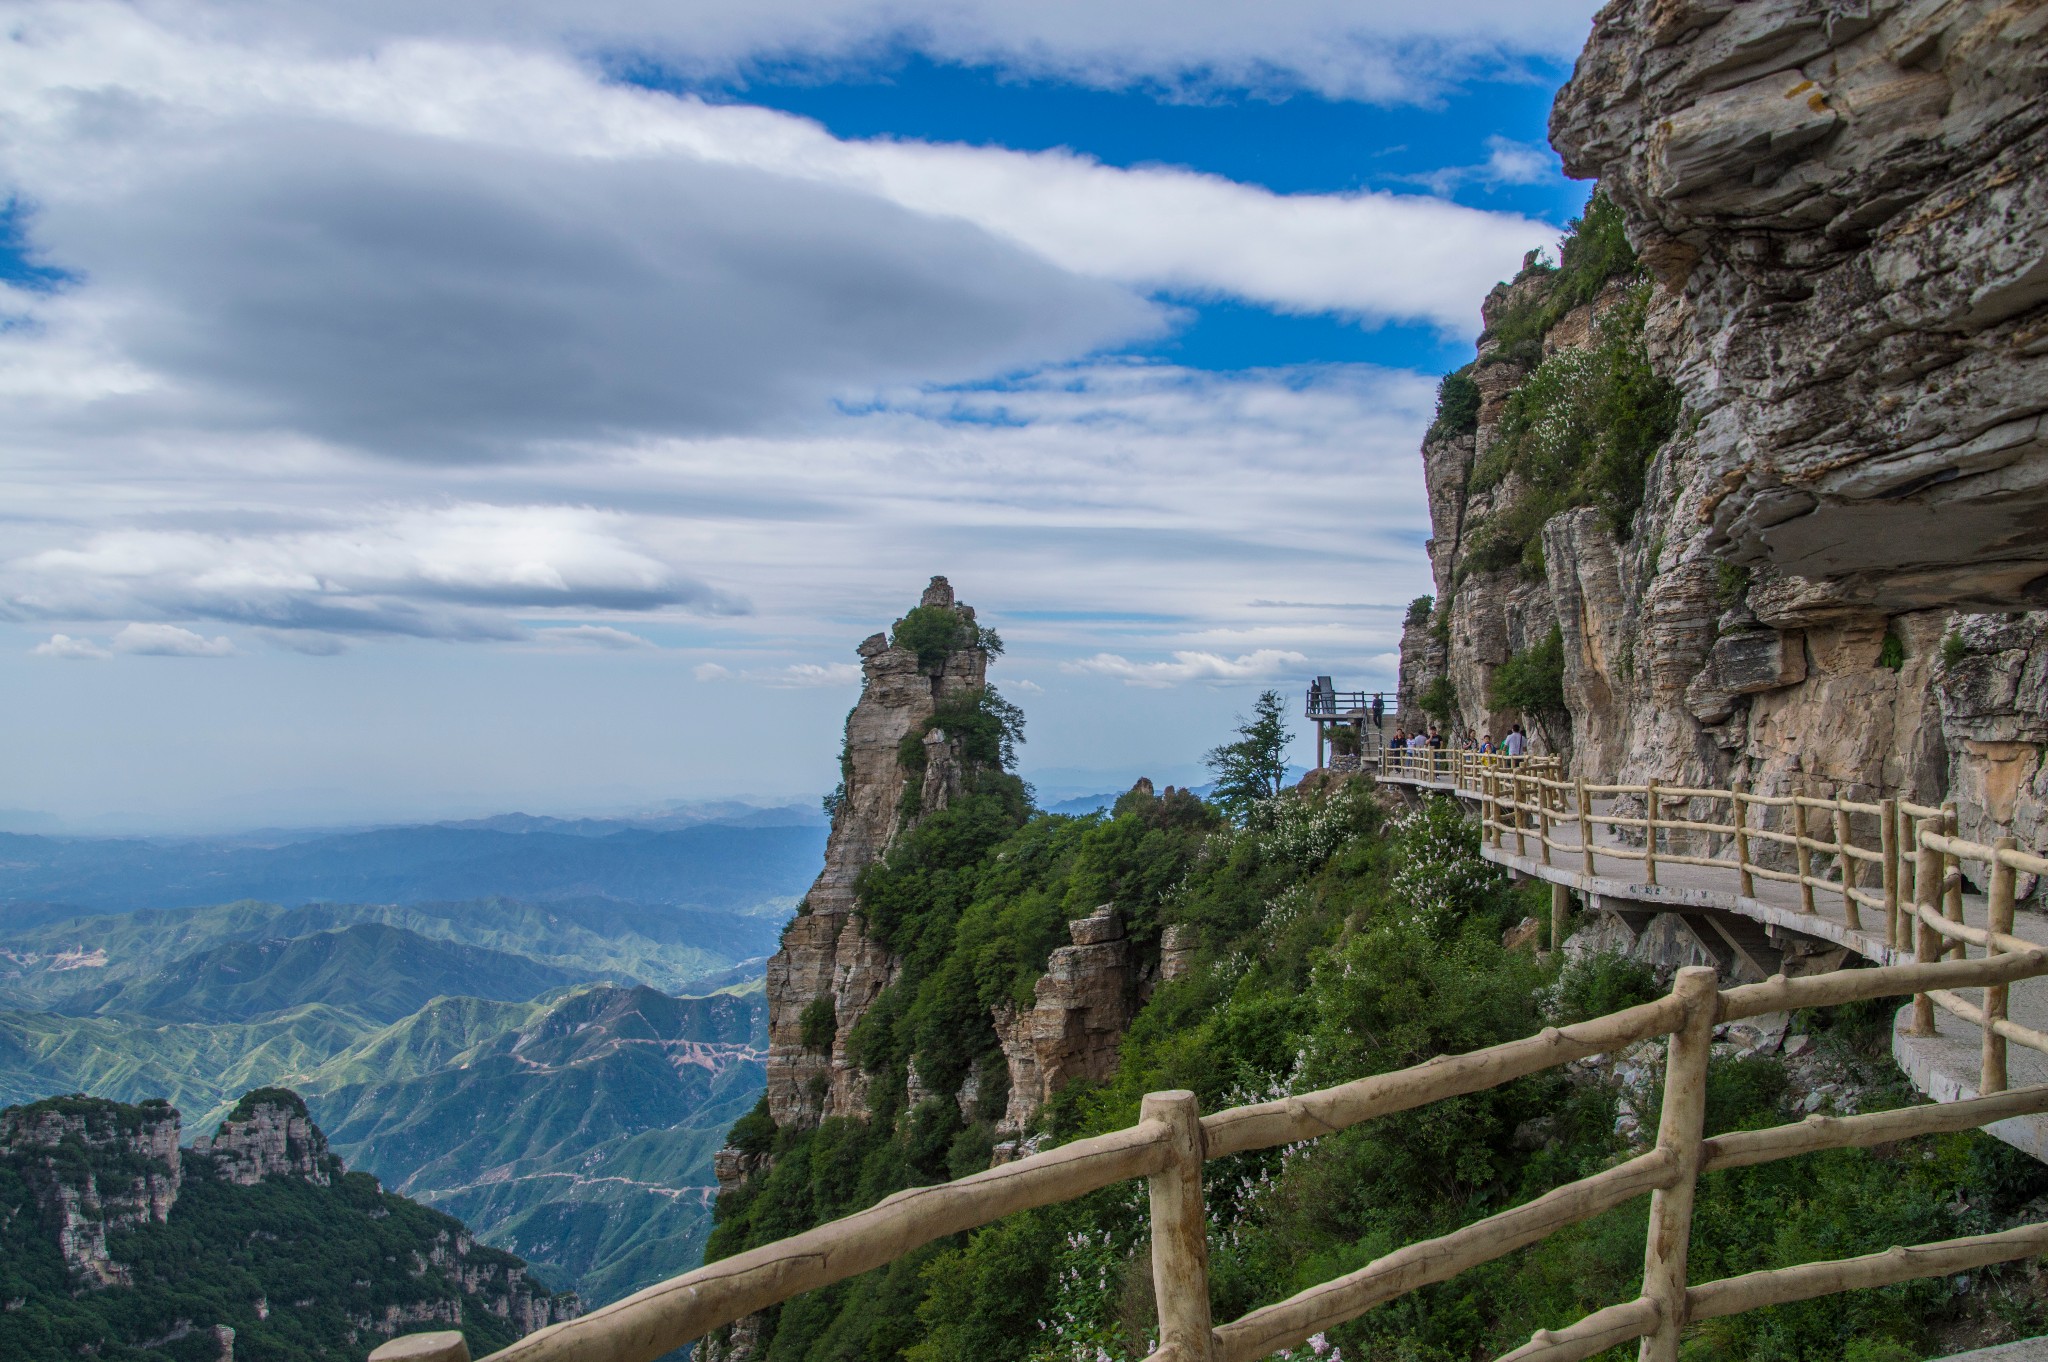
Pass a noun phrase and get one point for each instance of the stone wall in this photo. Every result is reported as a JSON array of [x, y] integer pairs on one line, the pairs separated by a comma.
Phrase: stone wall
[[1837, 578]]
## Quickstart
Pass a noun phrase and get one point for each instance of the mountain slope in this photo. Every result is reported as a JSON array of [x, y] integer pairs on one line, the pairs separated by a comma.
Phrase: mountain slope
[[673, 949], [583, 1139], [382, 973]]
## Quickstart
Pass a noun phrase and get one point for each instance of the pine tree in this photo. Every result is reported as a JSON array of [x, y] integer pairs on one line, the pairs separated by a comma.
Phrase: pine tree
[[1254, 768]]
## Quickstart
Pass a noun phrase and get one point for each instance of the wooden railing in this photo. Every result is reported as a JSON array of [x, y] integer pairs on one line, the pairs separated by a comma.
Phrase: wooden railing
[[1917, 859], [1171, 1141]]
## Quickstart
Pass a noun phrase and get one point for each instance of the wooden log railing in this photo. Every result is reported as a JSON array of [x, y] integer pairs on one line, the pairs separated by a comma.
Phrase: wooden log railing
[[1171, 1141], [1919, 861]]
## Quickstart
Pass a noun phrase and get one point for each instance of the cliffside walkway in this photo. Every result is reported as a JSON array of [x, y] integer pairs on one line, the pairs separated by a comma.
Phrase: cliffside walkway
[[1742, 871]]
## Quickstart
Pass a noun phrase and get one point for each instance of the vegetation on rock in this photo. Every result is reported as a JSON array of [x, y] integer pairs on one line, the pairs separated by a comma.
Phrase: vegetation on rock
[[1532, 681], [1334, 942]]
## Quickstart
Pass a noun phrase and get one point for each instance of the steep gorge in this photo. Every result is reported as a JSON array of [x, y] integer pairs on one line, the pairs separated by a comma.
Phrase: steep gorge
[[1835, 576]]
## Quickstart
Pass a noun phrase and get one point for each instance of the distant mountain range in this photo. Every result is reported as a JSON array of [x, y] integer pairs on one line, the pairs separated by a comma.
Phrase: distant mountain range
[[711, 866], [483, 1014]]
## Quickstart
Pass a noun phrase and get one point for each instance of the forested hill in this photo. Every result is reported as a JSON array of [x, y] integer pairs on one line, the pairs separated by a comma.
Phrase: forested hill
[[116, 1244], [1325, 934]]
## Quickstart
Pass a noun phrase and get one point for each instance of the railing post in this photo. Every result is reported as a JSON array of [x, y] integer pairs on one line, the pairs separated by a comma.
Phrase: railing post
[[1543, 817], [1952, 894], [1738, 800], [1586, 827], [1180, 1231], [1650, 831], [1927, 900], [1802, 854], [445, 1345], [1521, 836], [1999, 919], [1560, 915], [1851, 910], [1678, 1134], [1888, 843]]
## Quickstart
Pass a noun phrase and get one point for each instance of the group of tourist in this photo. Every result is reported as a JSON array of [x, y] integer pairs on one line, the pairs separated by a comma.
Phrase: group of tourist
[[1515, 743]]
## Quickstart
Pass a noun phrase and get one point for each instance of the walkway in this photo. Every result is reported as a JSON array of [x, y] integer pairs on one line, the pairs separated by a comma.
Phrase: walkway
[[1710, 898]]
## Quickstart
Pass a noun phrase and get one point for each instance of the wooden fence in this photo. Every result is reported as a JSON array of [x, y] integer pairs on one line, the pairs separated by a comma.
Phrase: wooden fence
[[1916, 856], [1171, 1141]]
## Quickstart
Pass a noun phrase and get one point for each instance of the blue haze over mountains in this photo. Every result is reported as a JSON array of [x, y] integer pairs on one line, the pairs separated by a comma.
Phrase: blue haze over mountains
[[542, 1025]]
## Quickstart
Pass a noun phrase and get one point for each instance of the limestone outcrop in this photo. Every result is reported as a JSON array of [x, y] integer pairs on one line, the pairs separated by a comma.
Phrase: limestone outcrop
[[269, 1134], [829, 969], [1837, 579], [94, 1168], [1082, 1006]]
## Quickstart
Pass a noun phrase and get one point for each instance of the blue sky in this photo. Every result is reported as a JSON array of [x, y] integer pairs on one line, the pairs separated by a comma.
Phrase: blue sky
[[425, 411]]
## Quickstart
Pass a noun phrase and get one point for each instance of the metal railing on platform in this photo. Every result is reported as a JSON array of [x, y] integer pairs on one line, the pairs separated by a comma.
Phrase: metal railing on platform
[[1171, 1141]]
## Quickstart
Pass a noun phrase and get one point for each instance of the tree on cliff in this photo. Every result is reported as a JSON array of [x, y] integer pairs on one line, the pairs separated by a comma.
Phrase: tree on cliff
[[1253, 768]]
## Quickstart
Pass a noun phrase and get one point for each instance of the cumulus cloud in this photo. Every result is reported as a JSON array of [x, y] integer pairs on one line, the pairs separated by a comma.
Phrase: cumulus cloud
[[73, 649], [168, 640], [1187, 666], [796, 676], [447, 252], [443, 573]]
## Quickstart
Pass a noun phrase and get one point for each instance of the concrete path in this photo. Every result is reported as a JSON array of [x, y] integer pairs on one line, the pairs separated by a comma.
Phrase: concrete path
[[1944, 1066]]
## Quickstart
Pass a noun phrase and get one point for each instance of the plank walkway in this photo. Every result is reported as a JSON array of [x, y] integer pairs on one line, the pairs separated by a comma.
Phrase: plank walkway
[[1944, 1066]]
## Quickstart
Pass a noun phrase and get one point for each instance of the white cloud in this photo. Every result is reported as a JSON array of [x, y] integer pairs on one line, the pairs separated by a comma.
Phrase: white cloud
[[450, 572], [455, 253], [74, 649], [1187, 666], [1507, 162], [168, 640], [1018, 683], [584, 638], [795, 676], [1338, 47]]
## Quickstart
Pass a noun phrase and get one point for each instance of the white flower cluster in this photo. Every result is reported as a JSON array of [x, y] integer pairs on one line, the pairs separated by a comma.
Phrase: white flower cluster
[[1440, 874]]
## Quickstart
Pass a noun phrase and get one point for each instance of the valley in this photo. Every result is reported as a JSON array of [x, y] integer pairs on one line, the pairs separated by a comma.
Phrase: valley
[[557, 1071]]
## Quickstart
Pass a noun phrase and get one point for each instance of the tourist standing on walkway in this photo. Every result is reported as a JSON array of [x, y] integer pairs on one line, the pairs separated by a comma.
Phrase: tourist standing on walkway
[[1516, 742]]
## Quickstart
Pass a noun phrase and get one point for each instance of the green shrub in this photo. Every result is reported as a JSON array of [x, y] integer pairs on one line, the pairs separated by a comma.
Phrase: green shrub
[[1532, 681], [1580, 431], [1731, 583], [1953, 650], [818, 1023], [1892, 653], [935, 632], [1418, 610], [1439, 699], [1457, 405], [1593, 250]]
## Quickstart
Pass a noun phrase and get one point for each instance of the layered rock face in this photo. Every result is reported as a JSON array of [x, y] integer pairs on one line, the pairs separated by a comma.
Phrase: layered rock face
[[1837, 577], [827, 958], [1082, 1006], [269, 1134], [95, 1167]]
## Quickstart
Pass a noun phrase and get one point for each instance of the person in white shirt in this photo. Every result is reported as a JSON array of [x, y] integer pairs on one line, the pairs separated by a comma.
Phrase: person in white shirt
[[1516, 744]]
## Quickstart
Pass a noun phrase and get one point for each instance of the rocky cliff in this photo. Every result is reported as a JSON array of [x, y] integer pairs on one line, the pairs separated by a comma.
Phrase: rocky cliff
[[269, 1134], [94, 1168], [1827, 570], [112, 1236], [898, 764]]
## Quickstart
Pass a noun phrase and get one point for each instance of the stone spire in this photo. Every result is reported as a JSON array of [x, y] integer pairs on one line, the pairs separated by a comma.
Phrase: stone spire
[[826, 952]]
